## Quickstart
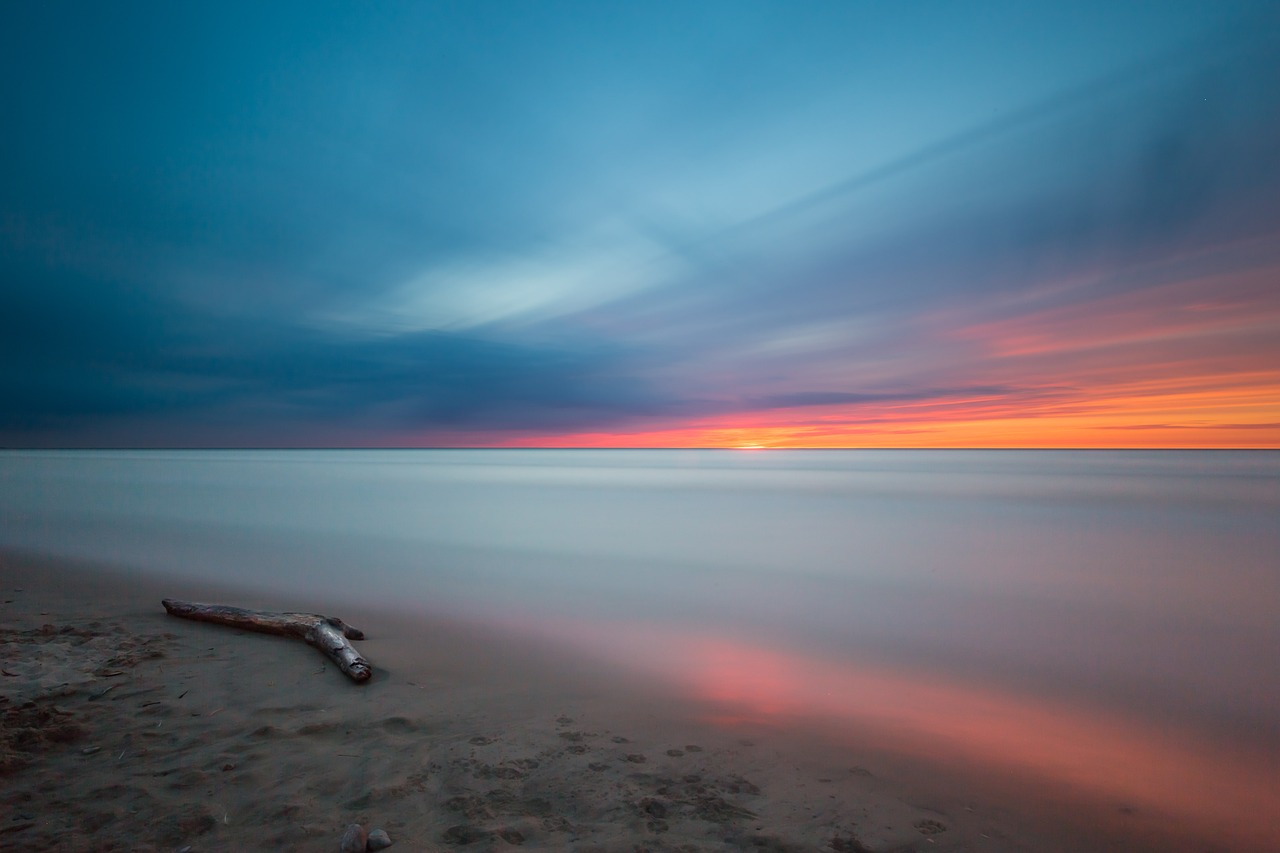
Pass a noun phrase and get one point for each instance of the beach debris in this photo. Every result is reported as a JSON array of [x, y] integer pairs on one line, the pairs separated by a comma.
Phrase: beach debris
[[102, 693], [18, 827], [378, 840], [354, 839], [326, 633]]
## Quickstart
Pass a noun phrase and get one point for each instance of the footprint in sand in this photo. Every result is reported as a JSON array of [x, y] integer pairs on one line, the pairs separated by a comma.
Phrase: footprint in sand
[[692, 747], [636, 758], [556, 823], [619, 739], [401, 726], [738, 785], [468, 806], [653, 808], [465, 834], [930, 827], [480, 740], [675, 753], [486, 772]]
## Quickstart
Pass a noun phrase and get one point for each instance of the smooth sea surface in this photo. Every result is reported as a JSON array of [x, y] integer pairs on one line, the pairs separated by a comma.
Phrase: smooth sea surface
[[1104, 620]]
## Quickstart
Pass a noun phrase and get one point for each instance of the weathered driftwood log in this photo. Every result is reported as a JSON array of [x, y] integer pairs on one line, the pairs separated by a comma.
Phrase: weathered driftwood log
[[326, 633]]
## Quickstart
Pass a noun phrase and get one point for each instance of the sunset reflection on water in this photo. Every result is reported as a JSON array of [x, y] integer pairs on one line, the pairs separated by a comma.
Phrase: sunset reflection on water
[[1101, 755]]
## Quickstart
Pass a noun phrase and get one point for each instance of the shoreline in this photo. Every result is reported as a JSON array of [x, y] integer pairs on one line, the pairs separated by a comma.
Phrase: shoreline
[[126, 729]]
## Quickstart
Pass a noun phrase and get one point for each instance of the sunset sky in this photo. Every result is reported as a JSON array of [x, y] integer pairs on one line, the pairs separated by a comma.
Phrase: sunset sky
[[974, 224]]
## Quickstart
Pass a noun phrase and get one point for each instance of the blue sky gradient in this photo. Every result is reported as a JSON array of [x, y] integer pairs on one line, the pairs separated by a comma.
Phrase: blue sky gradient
[[608, 223]]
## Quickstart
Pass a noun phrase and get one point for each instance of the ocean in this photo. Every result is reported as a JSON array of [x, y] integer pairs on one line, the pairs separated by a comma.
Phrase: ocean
[[1105, 621]]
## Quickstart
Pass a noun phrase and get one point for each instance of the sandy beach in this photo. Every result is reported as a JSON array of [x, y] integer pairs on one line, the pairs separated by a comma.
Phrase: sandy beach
[[126, 729], [129, 730]]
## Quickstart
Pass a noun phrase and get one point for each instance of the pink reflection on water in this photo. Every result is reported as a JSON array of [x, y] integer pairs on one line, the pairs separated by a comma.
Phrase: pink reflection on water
[[1101, 753]]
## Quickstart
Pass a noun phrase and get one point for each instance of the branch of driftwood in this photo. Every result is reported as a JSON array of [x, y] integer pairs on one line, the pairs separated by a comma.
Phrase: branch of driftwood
[[326, 633]]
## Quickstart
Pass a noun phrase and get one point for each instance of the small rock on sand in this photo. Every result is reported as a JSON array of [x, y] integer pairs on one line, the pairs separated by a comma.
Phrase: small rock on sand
[[379, 840], [354, 840]]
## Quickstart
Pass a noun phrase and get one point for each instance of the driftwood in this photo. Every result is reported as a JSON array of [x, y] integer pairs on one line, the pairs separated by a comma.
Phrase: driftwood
[[326, 633]]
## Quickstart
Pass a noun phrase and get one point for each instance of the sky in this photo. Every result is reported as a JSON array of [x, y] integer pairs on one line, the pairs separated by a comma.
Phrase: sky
[[608, 224]]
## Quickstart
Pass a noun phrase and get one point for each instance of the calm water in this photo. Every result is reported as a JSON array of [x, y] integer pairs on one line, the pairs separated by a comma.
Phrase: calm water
[[1108, 620]]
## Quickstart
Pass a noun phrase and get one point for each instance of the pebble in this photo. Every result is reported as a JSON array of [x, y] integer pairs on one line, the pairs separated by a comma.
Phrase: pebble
[[354, 839], [379, 840]]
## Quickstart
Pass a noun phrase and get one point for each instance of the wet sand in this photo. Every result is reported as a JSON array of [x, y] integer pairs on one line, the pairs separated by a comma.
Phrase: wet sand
[[126, 729]]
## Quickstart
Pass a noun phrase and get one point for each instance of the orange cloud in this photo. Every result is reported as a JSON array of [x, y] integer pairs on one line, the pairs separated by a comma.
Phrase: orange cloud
[[1185, 359]]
